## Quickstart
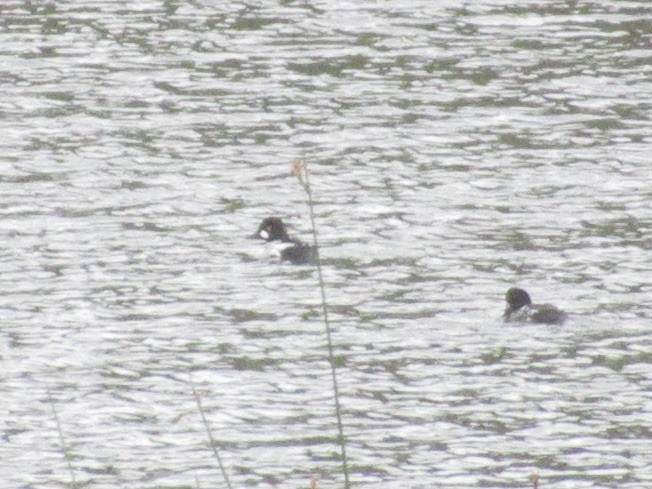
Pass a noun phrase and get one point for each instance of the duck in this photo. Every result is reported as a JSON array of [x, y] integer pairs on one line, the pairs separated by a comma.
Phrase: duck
[[273, 229], [521, 310]]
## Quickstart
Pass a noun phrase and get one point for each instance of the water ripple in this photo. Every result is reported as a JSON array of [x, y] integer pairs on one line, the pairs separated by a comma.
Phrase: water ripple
[[454, 151]]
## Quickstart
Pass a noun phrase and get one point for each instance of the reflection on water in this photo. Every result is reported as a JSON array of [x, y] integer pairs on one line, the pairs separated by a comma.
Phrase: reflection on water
[[455, 152]]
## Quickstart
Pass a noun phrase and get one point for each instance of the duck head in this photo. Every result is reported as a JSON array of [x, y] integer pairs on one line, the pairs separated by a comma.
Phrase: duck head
[[516, 298], [271, 229]]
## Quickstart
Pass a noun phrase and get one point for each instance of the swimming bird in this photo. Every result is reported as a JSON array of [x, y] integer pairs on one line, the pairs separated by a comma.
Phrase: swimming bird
[[273, 229], [521, 310]]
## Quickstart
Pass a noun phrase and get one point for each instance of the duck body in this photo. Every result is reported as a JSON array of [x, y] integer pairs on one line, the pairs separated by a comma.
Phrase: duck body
[[521, 310], [273, 229], [299, 253]]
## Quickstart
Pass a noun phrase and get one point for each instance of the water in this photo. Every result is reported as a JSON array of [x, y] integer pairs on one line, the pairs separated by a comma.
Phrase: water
[[455, 150]]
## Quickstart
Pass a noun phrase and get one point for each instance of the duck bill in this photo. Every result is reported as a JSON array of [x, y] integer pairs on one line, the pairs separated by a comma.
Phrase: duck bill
[[508, 311], [258, 233]]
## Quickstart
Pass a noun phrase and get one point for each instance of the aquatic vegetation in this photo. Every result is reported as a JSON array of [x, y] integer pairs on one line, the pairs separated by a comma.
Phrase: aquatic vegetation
[[67, 455], [300, 170]]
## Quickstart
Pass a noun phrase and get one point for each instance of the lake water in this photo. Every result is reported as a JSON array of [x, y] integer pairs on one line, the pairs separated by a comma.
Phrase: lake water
[[456, 149]]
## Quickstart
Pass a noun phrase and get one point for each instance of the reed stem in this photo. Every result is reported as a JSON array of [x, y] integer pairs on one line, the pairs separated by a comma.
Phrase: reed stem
[[209, 433], [301, 170], [62, 442], [534, 478]]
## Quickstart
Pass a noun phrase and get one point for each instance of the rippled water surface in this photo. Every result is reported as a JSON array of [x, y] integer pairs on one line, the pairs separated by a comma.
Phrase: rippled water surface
[[455, 149]]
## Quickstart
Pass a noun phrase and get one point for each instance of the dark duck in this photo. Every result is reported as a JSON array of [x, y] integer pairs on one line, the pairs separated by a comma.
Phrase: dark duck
[[273, 229], [521, 310]]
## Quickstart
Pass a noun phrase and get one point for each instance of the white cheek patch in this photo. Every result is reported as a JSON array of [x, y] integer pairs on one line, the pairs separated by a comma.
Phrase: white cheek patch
[[264, 234]]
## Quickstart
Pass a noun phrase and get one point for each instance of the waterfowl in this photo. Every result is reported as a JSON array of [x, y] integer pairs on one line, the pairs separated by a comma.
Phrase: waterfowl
[[273, 229], [521, 310]]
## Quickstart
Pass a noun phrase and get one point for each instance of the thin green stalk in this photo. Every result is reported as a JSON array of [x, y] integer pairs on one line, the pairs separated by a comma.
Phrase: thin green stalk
[[301, 170], [209, 433], [534, 478], [62, 443]]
